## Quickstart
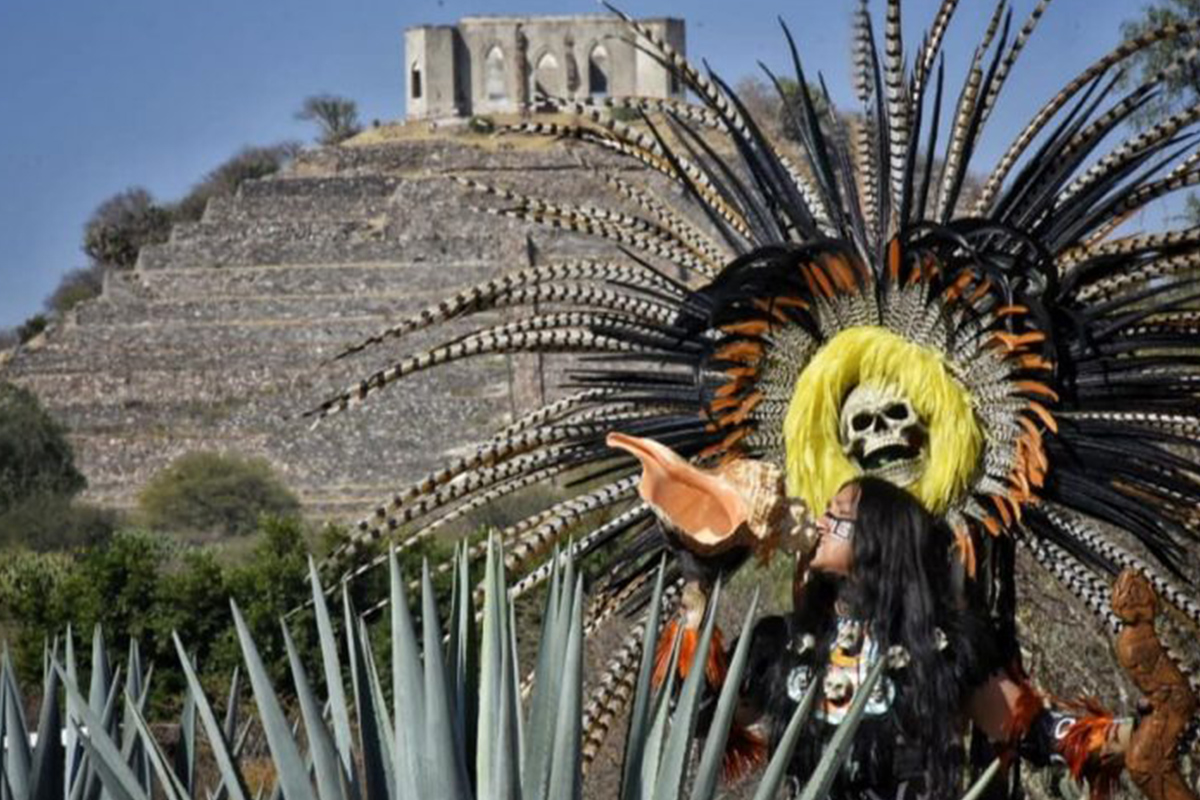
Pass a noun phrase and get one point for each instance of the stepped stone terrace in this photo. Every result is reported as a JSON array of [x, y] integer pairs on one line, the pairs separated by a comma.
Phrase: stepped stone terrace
[[218, 339]]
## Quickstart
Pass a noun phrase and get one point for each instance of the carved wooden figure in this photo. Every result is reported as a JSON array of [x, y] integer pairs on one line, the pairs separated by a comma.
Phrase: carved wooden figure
[[1150, 758]]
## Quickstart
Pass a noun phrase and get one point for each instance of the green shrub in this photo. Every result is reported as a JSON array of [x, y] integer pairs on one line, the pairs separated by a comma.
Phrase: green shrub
[[116, 584], [122, 225], [29, 599], [35, 456], [144, 586], [75, 287], [113, 584], [249, 163], [268, 585], [207, 492], [481, 124], [50, 521], [624, 114], [32, 327]]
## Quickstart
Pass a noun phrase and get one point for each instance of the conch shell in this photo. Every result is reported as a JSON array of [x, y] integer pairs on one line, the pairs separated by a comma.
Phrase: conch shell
[[742, 503]]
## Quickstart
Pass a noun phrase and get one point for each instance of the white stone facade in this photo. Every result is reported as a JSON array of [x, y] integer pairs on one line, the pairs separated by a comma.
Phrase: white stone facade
[[487, 65]]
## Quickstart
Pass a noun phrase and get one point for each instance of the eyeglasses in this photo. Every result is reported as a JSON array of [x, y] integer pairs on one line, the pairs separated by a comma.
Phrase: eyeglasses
[[842, 527]]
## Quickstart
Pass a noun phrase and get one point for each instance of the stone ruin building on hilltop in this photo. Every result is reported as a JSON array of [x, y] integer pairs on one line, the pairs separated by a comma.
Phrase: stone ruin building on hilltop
[[486, 65]]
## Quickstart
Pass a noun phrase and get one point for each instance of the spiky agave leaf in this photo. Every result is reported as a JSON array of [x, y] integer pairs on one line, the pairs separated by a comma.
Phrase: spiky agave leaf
[[704, 783], [171, 784], [47, 774], [776, 771], [636, 738], [137, 693], [331, 663], [17, 755], [536, 769], [184, 762], [656, 732], [233, 783], [378, 770], [461, 657], [103, 755], [566, 767], [326, 765], [290, 767], [673, 767], [983, 781], [496, 705]]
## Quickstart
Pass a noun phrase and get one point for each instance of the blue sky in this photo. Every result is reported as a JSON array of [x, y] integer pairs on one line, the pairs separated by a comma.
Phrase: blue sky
[[96, 97]]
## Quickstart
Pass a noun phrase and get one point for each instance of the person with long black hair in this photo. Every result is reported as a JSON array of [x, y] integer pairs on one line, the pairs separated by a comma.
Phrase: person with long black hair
[[878, 585]]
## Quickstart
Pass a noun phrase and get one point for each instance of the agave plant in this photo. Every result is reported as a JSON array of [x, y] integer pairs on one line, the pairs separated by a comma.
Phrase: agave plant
[[456, 726]]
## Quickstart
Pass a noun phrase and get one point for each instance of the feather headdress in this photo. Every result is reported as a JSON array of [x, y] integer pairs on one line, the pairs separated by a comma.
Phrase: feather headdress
[[1054, 364]]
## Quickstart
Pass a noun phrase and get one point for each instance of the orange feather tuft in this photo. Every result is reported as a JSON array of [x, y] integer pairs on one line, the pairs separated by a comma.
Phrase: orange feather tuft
[[716, 666], [1082, 745], [819, 280], [745, 752], [1044, 414], [842, 273], [662, 655], [965, 546], [754, 327], [1033, 387], [894, 258], [744, 352]]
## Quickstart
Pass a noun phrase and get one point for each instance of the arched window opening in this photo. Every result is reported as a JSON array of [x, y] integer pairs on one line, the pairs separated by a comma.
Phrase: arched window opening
[[415, 80], [495, 84], [598, 72], [547, 80]]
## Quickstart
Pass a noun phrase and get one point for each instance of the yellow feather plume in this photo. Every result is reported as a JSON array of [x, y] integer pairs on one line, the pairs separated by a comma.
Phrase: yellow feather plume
[[816, 466]]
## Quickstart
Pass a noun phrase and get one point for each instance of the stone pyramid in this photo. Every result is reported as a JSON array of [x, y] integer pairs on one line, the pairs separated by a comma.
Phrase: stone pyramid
[[218, 339]]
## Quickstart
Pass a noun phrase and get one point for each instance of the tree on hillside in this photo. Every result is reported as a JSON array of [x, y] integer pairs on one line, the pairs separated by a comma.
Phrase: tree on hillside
[[123, 224], [337, 117], [249, 163], [75, 287], [1182, 89], [208, 493], [35, 456], [39, 481]]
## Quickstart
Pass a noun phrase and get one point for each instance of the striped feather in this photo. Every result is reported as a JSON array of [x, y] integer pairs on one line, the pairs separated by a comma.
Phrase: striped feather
[[897, 103], [489, 294], [1014, 52], [558, 341], [1019, 145], [933, 45], [1080, 582]]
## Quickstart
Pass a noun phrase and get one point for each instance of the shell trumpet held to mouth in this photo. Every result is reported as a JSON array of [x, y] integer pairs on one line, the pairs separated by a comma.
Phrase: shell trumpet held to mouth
[[741, 503]]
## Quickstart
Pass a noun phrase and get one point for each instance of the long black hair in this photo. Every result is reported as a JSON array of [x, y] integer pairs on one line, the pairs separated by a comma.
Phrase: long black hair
[[900, 586]]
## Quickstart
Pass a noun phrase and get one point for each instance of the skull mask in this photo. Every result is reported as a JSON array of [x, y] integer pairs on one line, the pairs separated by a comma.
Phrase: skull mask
[[882, 434], [838, 688]]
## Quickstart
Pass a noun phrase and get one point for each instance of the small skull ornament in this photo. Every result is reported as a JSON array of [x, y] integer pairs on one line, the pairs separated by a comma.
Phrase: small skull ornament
[[882, 434], [838, 688]]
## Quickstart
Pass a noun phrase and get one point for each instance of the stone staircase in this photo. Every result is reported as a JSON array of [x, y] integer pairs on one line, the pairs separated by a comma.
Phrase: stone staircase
[[218, 339]]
